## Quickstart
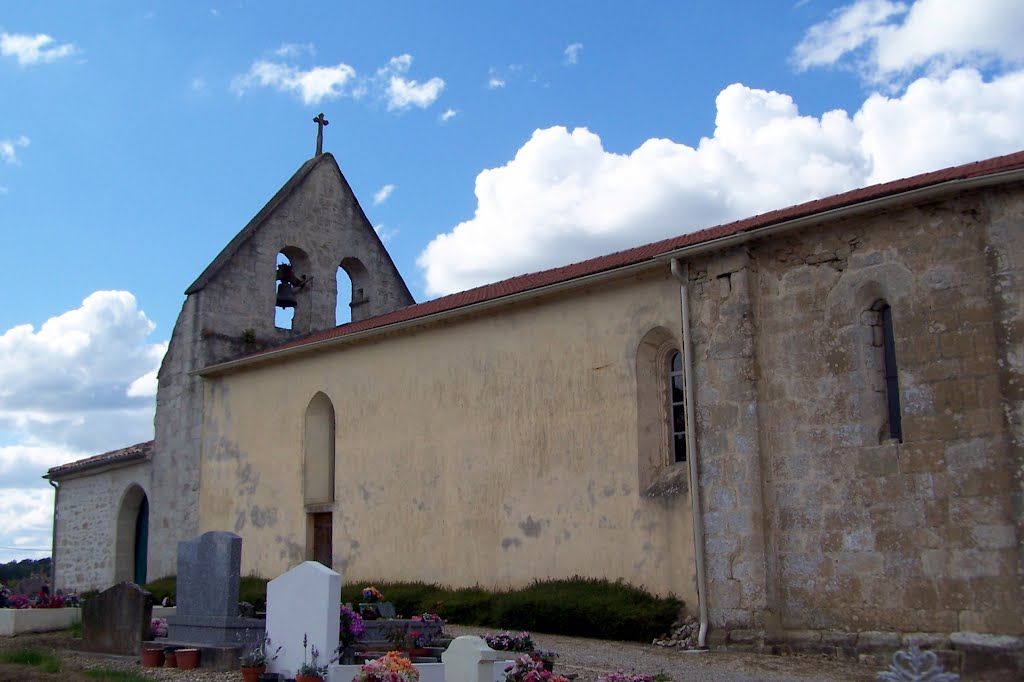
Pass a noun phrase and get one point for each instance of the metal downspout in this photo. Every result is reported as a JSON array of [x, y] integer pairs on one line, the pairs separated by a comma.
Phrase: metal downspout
[[681, 271], [53, 539]]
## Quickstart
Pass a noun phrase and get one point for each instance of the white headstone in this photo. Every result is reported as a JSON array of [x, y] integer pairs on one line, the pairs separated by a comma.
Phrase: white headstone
[[469, 659], [304, 601]]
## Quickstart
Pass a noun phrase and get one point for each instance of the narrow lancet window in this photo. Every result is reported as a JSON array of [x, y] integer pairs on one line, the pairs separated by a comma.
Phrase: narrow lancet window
[[677, 406], [892, 384]]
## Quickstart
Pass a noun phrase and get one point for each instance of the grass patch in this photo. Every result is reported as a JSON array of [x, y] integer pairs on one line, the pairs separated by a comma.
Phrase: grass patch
[[37, 658], [107, 675], [76, 630]]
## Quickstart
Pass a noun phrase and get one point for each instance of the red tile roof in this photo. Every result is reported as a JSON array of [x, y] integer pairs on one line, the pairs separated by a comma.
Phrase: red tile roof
[[131, 453], [619, 259]]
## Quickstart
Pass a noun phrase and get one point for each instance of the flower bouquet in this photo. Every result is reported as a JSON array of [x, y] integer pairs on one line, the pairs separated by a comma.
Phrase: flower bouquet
[[507, 641], [525, 669], [350, 627], [391, 667], [371, 595]]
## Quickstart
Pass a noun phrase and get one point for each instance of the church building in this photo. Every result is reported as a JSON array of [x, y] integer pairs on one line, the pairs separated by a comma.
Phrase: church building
[[806, 424]]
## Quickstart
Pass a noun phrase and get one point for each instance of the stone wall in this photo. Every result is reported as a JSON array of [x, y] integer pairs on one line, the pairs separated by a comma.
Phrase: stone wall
[[815, 519], [86, 525]]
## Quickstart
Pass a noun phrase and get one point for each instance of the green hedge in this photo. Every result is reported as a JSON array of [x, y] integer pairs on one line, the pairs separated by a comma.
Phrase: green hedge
[[252, 589], [580, 607]]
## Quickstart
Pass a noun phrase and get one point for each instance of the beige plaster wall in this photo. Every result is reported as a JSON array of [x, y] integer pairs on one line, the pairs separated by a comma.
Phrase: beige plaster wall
[[494, 450]]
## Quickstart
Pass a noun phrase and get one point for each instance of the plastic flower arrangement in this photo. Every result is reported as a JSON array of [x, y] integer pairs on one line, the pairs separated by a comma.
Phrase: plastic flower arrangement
[[371, 595], [526, 669], [429, 617], [619, 676], [350, 627], [158, 627], [507, 641], [391, 667]]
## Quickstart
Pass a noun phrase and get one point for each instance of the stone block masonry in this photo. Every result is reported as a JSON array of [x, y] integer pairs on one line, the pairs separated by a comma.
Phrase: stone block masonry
[[817, 520]]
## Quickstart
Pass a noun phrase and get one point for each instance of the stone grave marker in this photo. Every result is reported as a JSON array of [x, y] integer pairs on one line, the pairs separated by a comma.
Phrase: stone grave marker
[[117, 620], [209, 573], [31, 585], [304, 601]]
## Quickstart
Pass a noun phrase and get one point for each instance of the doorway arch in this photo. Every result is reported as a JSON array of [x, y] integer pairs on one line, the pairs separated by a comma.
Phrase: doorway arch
[[132, 543]]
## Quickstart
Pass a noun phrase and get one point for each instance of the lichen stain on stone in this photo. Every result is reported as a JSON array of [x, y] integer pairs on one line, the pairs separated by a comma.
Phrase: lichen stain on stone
[[510, 542], [223, 449], [239, 522], [247, 480], [365, 492], [530, 527], [291, 551], [608, 490], [263, 517]]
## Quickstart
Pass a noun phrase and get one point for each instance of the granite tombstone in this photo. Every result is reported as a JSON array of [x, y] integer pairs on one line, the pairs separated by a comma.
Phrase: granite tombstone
[[117, 620]]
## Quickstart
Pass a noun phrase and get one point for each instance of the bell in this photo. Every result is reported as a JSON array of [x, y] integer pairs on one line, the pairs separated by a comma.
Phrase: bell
[[285, 296]]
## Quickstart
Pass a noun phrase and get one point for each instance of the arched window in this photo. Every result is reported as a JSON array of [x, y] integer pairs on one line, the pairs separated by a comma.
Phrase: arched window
[[343, 307], [884, 340], [318, 447], [283, 317], [359, 290], [318, 472], [677, 406], [661, 415], [292, 289]]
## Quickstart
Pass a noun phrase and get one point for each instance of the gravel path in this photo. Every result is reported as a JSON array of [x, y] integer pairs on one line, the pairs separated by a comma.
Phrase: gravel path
[[586, 658]]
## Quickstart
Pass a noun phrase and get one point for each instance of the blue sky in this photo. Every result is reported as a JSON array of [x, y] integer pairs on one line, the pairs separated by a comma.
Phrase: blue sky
[[483, 139]]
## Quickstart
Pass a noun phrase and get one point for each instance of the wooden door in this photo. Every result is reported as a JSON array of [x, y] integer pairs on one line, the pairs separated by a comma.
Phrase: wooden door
[[322, 532]]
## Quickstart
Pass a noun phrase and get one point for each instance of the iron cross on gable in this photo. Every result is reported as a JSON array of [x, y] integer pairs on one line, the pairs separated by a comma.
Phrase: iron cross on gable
[[320, 122]]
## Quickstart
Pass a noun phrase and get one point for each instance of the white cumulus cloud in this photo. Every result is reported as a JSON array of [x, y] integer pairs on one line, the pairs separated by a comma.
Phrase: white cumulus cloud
[[33, 49], [448, 115], [79, 380], [25, 521], [889, 39], [381, 195], [564, 198], [9, 148], [572, 53], [402, 92], [312, 85]]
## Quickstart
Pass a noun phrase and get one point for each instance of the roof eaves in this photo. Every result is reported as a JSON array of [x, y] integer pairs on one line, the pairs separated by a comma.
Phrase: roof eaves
[[994, 171], [114, 458]]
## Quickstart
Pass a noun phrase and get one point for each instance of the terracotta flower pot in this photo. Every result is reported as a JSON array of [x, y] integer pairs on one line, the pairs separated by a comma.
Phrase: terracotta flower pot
[[188, 658], [308, 678], [171, 658], [151, 658], [252, 673]]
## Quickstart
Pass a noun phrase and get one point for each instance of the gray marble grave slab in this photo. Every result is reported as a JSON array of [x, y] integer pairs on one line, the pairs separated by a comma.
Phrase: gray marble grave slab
[[209, 574]]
